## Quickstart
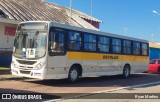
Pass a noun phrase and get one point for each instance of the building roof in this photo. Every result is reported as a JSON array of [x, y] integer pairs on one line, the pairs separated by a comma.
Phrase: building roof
[[154, 45], [31, 10], [158, 43]]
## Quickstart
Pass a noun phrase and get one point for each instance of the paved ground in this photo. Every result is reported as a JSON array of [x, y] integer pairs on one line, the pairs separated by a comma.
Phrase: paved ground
[[85, 85], [138, 94], [62, 88]]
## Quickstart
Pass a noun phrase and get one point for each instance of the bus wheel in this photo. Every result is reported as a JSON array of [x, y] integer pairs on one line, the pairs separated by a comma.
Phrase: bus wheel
[[126, 71], [73, 74]]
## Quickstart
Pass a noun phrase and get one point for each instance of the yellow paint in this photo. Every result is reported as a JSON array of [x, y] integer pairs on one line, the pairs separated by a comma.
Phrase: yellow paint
[[98, 56]]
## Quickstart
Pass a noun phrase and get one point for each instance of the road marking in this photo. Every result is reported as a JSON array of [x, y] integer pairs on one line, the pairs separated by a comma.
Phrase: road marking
[[104, 91], [127, 87]]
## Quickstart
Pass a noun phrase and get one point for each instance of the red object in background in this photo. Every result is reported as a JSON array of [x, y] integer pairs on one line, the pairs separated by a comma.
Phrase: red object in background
[[94, 23], [154, 66], [11, 31]]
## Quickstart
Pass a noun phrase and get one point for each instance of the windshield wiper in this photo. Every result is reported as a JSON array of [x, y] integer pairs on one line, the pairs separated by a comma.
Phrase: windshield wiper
[[34, 39]]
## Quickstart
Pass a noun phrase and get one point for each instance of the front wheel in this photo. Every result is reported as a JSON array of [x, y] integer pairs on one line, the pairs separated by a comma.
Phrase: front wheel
[[126, 71], [73, 74]]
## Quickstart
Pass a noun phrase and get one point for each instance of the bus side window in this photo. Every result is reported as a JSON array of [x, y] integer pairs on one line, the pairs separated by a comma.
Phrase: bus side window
[[103, 44], [126, 47], [56, 43], [144, 49], [74, 42], [136, 48], [89, 42], [116, 45]]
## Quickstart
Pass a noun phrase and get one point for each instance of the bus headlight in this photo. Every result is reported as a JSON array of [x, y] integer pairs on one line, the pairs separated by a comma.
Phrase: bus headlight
[[14, 65], [39, 66]]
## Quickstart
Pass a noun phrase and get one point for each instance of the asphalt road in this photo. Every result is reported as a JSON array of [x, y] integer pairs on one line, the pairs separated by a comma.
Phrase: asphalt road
[[142, 93], [62, 89]]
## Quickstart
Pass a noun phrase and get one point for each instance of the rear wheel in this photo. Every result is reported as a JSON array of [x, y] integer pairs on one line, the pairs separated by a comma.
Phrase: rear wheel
[[126, 71], [73, 74]]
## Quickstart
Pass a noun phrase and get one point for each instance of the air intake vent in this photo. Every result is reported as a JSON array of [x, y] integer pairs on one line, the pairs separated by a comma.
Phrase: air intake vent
[[26, 62], [25, 72]]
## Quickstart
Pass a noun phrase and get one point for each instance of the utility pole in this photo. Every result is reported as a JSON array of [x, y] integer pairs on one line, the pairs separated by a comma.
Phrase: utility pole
[[152, 37], [91, 7], [125, 31], [91, 10], [70, 11]]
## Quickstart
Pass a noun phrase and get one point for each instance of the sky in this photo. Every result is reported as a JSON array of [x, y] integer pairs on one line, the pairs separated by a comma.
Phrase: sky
[[133, 18]]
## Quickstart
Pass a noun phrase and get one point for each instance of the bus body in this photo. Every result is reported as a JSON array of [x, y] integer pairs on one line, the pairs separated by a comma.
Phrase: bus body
[[49, 50]]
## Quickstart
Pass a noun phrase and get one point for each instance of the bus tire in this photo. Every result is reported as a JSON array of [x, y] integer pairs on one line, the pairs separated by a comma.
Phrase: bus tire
[[126, 71], [73, 75]]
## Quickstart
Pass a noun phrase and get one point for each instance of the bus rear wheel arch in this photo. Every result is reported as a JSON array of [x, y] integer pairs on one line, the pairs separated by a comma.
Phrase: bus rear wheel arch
[[74, 73], [126, 71]]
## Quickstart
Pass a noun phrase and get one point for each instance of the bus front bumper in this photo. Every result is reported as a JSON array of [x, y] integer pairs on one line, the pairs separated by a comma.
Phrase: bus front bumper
[[38, 74]]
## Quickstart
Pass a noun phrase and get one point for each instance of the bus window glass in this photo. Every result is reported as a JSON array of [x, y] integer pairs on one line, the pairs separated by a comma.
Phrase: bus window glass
[[116, 45], [56, 43], [126, 47], [74, 41], [136, 48], [89, 42], [34, 44], [103, 44], [144, 49]]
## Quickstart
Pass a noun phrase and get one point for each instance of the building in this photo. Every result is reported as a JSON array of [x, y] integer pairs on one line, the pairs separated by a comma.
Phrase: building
[[7, 32], [13, 12], [154, 50], [158, 43]]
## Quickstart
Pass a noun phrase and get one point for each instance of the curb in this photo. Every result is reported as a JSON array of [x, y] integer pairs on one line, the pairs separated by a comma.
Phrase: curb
[[4, 71], [4, 68], [11, 78]]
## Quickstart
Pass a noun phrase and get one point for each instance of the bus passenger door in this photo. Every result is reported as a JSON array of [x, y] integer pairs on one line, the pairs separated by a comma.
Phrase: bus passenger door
[[57, 53]]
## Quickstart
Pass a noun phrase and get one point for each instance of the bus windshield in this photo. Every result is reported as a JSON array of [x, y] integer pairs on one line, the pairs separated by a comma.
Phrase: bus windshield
[[30, 44]]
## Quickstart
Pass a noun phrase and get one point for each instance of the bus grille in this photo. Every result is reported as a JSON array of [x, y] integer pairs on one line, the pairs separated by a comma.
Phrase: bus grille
[[25, 72], [26, 62], [25, 67]]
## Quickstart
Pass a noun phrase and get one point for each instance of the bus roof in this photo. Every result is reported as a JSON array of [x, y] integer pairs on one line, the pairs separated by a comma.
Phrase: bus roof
[[66, 26]]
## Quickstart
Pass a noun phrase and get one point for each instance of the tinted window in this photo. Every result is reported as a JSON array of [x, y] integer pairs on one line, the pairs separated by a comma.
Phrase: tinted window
[[144, 49], [89, 42], [158, 61], [116, 45], [74, 42], [136, 48], [126, 47], [56, 43], [152, 62], [103, 44]]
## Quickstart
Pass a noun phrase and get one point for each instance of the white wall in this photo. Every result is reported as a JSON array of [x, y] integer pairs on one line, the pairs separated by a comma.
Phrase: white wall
[[3, 37]]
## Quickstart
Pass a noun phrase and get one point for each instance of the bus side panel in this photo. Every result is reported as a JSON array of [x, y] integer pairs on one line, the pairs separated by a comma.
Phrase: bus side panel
[[108, 67], [57, 67], [143, 64], [137, 63], [95, 64], [86, 60]]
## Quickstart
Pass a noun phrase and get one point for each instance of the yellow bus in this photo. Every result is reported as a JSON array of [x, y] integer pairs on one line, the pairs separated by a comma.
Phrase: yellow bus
[[49, 50]]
